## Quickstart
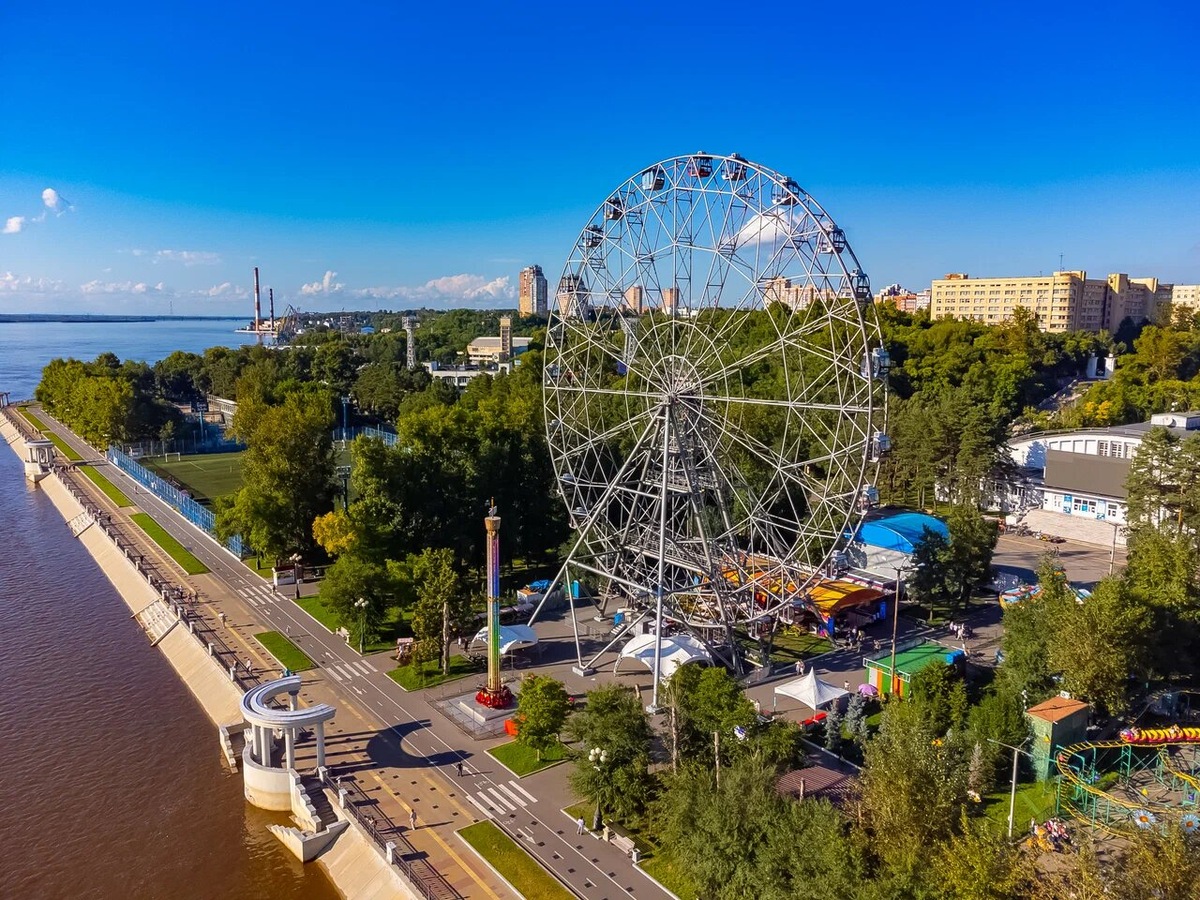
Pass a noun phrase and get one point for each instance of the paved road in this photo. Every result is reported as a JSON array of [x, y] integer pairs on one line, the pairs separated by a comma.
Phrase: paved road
[[423, 749]]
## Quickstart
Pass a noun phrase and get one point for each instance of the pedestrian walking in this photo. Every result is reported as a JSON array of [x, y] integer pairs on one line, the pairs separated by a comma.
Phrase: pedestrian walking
[[459, 766], [287, 630], [799, 667], [221, 616], [412, 820], [249, 668], [580, 827], [846, 685]]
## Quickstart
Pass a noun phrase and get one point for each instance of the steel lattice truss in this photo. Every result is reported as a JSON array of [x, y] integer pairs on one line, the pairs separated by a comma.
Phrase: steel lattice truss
[[713, 394]]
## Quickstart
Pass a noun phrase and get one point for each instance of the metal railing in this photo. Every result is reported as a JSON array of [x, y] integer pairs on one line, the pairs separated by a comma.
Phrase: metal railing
[[192, 511], [416, 869]]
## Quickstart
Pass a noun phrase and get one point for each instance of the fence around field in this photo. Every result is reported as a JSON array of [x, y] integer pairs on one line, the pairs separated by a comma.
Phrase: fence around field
[[198, 515]]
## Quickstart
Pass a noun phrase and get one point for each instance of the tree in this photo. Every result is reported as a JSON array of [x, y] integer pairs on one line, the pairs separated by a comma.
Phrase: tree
[[614, 722], [442, 608], [1028, 627], [741, 838], [977, 863], [972, 543], [701, 702], [287, 475], [913, 786], [542, 707], [350, 580], [856, 719], [927, 581], [833, 730], [1163, 572], [1099, 643]]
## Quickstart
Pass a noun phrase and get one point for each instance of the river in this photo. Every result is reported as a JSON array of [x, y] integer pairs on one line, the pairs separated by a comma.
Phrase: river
[[112, 782]]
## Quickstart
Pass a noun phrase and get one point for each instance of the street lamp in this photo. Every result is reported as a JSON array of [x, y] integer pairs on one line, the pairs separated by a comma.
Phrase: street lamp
[[598, 758], [895, 627], [1012, 800], [361, 605]]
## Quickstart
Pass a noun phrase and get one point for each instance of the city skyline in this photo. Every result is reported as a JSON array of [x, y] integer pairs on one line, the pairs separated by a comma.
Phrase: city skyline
[[380, 159]]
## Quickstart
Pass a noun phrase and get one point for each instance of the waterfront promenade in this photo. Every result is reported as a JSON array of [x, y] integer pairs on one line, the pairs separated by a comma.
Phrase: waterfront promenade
[[393, 744]]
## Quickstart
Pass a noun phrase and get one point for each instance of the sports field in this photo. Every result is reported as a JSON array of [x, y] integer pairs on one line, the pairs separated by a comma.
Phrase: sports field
[[208, 476]]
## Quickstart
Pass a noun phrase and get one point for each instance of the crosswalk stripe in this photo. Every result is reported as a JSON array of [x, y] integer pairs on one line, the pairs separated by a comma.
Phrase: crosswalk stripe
[[362, 668], [371, 667], [519, 801], [336, 676], [345, 672], [504, 804], [483, 809], [517, 787]]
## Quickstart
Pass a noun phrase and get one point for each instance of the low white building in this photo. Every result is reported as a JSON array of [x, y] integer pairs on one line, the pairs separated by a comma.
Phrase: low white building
[[1083, 472]]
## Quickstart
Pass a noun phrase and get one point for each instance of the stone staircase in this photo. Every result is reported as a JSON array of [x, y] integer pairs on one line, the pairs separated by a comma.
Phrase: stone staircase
[[81, 523], [156, 620], [319, 800]]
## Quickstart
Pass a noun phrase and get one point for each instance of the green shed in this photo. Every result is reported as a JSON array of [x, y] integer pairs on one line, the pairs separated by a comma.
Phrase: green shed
[[1055, 723], [909, 663]]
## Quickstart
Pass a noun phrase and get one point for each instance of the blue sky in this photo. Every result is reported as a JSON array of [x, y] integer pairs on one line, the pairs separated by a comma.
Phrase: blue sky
[[426, 155]]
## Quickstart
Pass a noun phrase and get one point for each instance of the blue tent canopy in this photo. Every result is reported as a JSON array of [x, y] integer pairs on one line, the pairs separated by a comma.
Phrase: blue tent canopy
[[901, 532]]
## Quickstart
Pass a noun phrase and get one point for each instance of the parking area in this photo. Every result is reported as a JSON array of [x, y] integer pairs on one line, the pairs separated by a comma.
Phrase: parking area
[[1085, 564]]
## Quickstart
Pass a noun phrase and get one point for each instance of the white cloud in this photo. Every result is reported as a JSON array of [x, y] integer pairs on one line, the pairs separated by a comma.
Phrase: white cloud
[[449, 290], [187, 257], [13, 224], [326, 285], [224, 291], [30, 285], [54, 201], [122, 287]]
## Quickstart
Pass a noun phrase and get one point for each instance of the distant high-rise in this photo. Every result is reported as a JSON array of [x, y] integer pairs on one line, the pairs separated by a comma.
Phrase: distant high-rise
[[572, 296], [533, 294]]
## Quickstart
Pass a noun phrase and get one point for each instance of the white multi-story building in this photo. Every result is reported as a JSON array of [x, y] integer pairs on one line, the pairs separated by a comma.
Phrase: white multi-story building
[[1082, 473]]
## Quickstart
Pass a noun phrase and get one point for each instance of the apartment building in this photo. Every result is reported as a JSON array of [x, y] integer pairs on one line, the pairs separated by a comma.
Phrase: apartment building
[[532, 292], [1062, 301]]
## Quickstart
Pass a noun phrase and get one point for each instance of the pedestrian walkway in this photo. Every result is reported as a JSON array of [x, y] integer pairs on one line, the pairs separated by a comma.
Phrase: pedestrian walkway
[[501, 800]]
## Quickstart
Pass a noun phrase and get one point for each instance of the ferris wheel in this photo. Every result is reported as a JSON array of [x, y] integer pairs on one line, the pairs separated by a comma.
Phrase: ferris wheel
[[714, 393]]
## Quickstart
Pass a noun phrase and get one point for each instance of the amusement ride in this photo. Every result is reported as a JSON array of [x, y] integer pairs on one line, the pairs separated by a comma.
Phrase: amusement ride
[[714, 387]]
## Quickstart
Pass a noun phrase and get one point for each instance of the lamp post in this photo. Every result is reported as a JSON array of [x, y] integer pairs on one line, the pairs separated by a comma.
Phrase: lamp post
[[1012, 799], [895, 627], [345, 416], [361, 605], [598, 758]]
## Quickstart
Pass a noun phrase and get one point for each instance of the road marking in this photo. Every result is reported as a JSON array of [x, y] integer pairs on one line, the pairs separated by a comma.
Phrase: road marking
[[359, 668], [336, 676], [505, 804], [517, 787], [508, 793], [483, 809]]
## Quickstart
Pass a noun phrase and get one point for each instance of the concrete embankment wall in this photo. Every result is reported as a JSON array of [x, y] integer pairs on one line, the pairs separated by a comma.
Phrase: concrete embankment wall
[[209, 684]]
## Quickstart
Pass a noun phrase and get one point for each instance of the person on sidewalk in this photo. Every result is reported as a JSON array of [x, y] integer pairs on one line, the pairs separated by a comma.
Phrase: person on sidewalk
[[412, 820], [580, 826], [459, 766]]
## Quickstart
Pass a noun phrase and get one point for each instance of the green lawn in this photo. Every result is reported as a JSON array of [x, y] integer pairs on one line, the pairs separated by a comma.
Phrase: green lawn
[[115, 494], [289, 655], [393, 626], [174, 549], [514, 864], [429, 674], [522, 760], [791, 645], [1034, 801], [58, 442], [670, 874]]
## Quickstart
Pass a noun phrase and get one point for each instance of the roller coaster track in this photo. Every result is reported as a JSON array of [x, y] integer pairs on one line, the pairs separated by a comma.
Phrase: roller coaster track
[[1186, 777], [1073, 778]]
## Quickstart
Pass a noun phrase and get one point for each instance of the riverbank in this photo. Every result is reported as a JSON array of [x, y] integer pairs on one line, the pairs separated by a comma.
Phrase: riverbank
[[352, 865]]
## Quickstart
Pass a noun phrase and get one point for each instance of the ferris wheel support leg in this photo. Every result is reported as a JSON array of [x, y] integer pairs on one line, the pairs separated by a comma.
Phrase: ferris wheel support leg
[[662, 559]]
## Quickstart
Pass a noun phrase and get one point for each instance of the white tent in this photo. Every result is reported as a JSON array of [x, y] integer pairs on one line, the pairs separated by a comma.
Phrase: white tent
[[811, 690], [512, 637], [677, 650]]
